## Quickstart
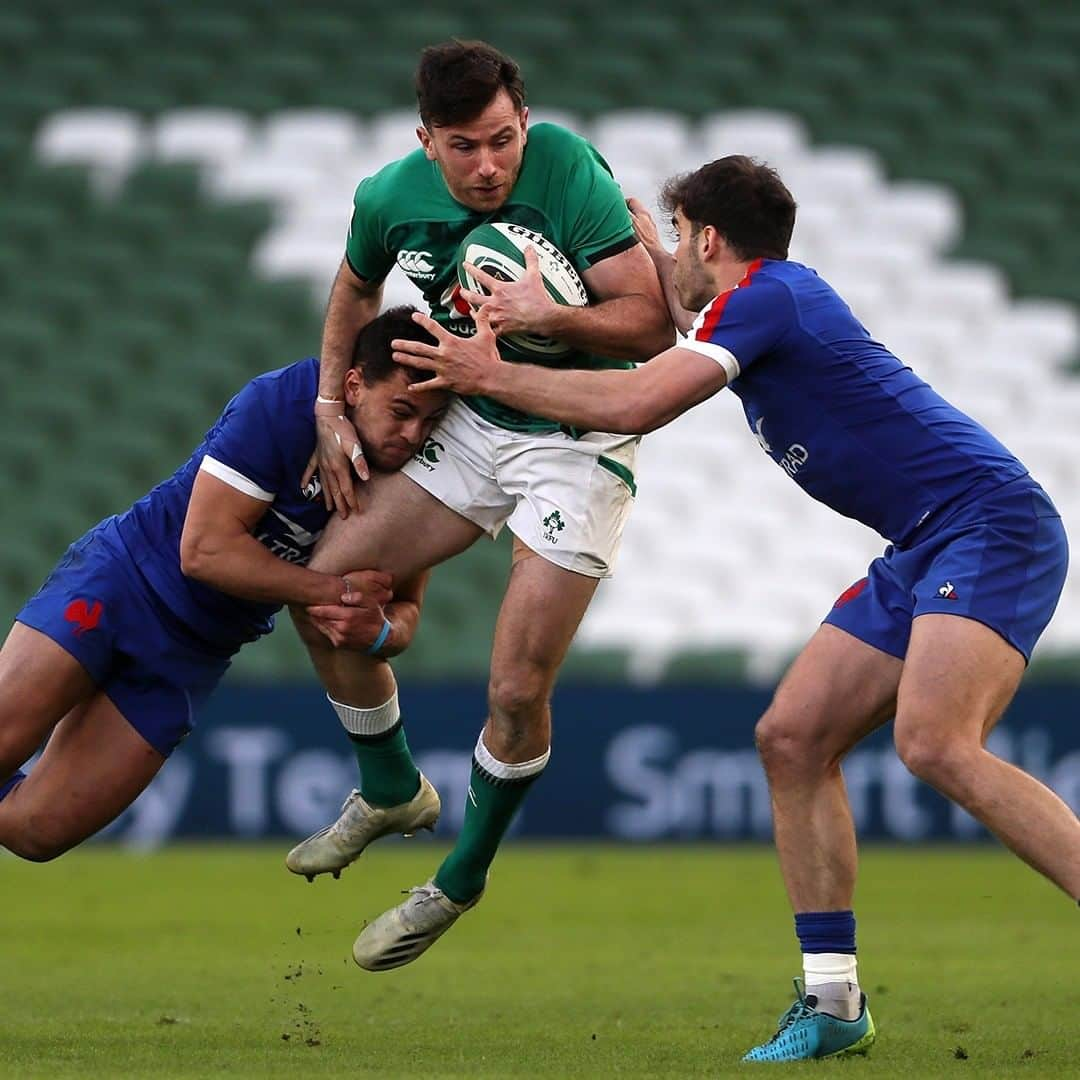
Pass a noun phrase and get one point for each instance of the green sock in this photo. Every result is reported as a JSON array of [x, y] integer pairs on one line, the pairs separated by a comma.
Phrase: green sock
[[388, 774], [489, 809]]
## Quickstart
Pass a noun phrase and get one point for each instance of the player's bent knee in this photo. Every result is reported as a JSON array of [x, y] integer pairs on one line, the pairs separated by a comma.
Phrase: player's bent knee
[[929, 754], [518, 694], [786, 745], [38, 842]]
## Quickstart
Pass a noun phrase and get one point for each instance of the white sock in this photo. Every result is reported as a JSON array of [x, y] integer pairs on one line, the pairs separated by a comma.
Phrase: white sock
[[833, 979], [368, 721]]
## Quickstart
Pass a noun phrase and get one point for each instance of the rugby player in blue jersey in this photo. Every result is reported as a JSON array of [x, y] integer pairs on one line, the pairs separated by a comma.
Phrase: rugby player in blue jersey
[[939, 631], [136, 625]]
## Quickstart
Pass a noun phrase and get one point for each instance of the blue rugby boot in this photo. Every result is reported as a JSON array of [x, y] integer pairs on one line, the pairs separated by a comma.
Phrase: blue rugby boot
[[803, 1033]]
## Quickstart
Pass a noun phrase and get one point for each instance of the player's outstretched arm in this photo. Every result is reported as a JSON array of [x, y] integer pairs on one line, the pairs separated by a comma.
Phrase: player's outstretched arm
[[353, 304], [218, 548], [630, 402]]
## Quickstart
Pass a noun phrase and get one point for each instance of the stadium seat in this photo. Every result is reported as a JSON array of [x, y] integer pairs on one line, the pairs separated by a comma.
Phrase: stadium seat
[[771, 136], [657, 140], [110, 141]]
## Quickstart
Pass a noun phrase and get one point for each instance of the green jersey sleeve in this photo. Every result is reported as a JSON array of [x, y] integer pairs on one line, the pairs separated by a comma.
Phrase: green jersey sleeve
[[366, 249], [599, 223]]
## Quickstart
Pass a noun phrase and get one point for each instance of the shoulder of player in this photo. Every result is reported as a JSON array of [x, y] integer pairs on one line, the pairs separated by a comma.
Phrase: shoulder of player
[[558, 145], [284, 391], [766, 279], [396, 180]]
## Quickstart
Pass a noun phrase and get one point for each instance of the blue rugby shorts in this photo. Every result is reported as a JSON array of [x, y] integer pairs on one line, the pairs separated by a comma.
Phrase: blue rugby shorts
[[97, 607], [1000, 560]]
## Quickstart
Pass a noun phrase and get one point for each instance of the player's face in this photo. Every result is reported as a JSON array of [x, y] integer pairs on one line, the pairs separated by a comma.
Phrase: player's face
[[392, 423], [480, 160], [692, 281]]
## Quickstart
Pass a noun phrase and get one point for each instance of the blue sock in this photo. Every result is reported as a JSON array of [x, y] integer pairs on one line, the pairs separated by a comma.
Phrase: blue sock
[[10, 783], [826, 931]]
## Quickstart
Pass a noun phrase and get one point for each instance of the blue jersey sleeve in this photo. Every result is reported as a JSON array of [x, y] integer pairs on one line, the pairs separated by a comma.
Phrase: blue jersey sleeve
[[242, 450], [742, 324]]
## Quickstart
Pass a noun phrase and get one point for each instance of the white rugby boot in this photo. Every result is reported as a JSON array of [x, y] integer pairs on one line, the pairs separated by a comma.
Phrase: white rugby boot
[[332, 849], [400, 935]]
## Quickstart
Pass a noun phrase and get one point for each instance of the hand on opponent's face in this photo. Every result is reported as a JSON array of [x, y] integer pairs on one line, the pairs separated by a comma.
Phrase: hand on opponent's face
[[462, 365]]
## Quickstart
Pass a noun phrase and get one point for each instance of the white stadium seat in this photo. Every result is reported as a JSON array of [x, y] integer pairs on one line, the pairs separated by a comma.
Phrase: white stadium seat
[[109, 141], [774, 137], [652, 138], [205, 135], [392, 134], [316, 135]]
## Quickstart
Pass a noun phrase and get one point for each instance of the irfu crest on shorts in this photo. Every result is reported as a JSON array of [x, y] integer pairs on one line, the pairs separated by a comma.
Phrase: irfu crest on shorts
[[553, 524]]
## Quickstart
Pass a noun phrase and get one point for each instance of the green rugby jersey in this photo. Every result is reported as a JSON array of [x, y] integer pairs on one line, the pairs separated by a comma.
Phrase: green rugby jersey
[[405, 214]]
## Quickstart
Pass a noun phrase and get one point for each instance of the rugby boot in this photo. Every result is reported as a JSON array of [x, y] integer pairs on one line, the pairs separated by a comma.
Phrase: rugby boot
[[332, 849], [400, 935], [803, 1033]]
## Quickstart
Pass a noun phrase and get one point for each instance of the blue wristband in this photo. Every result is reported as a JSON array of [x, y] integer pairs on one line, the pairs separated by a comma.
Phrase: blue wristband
[[380, 641]]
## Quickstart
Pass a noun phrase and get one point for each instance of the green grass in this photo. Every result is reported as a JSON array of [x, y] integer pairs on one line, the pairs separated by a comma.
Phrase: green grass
[[582, 961]]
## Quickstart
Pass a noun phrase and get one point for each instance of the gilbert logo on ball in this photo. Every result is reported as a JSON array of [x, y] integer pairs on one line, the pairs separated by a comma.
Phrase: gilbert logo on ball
[[498, 248]]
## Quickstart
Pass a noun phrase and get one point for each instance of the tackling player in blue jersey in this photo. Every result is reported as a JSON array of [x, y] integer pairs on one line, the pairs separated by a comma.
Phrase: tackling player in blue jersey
[[137, 623], [939, 631]]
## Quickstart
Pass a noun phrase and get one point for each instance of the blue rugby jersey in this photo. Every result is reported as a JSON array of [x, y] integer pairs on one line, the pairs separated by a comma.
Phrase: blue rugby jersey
[[846, 420], [260, 445]]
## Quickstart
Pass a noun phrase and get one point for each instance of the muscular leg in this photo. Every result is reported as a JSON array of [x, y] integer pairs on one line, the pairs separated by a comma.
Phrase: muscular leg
[[540, 613], [958, 678], [39, 683], [93, 768], [401, 529], [838, 690]]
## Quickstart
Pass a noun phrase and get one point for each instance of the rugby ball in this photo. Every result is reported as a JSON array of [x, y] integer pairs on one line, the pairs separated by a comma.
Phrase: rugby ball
[[499, 249]]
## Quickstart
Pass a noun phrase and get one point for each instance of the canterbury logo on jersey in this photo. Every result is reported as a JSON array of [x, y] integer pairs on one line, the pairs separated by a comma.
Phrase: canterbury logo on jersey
[[417, 264]]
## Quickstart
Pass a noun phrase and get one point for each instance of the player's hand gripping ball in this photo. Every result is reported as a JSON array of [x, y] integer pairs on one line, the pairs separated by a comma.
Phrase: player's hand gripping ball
[[498, 248]]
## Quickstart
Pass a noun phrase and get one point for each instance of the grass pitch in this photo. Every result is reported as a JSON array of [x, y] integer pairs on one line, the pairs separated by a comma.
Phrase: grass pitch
[[581, 961]]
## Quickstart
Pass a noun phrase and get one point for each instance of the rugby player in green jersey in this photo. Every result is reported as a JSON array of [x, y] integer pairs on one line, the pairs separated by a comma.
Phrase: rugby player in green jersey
[[565, 494]]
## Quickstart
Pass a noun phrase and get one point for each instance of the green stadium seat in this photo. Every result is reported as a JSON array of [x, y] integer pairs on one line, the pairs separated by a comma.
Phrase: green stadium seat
[[707, 665], [176, 186], [533, 39], [982, 37], [856, 33], [982, 144], [1020, 107], [406, 33], [112, 37], [828, 72], [652, 34], [911, 109], [594, 665], [19, 32], [188, 31]]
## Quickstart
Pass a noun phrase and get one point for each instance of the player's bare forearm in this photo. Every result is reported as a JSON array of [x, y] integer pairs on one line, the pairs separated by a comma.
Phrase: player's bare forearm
[[241, 566], [634, 327], [632, 402], [353, 304]]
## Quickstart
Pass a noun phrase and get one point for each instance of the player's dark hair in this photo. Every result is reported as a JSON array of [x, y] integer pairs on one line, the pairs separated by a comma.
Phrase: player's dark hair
[[372, 355], [457, 80], [744, 200]]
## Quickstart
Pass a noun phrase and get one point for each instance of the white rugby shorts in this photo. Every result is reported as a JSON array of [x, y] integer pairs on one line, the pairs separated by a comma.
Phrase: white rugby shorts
[[567, 499]]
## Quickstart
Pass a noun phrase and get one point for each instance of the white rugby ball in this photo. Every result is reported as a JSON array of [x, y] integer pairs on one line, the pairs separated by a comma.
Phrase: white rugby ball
[[498, 248]]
